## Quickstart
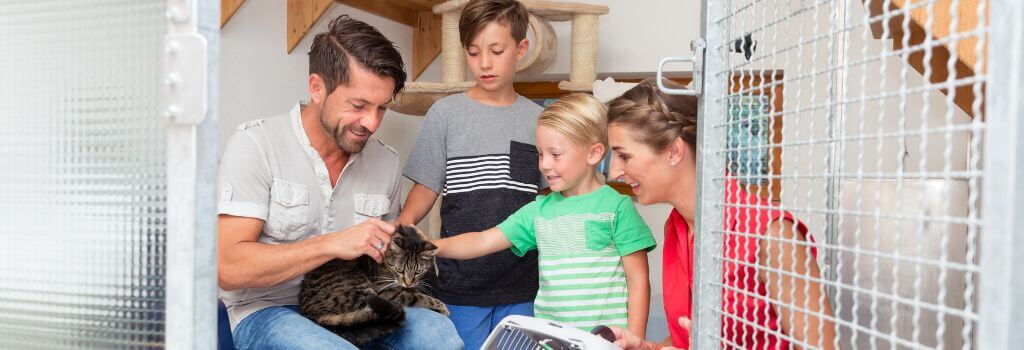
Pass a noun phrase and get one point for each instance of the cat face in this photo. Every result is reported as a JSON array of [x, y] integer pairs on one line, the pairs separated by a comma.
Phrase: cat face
[[409, 257]]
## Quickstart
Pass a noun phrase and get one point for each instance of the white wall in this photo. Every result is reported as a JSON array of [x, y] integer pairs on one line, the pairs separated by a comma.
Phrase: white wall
[[635, 35]]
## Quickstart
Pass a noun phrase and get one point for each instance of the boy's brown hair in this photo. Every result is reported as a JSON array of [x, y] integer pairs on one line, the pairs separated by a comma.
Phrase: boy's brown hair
[[478, 13]]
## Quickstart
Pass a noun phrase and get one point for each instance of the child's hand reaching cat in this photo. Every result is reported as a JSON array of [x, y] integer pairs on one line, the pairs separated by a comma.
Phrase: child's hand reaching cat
[[370, 238]]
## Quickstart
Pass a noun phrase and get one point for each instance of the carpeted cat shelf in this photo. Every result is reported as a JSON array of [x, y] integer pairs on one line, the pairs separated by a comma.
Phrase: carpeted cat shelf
[[417, 97]]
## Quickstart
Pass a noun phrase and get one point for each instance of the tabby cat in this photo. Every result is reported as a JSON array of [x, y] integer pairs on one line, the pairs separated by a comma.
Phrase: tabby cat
[[361, 300]]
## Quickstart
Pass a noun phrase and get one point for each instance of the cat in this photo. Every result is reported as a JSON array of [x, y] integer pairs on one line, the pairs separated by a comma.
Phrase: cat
[[361, 300]]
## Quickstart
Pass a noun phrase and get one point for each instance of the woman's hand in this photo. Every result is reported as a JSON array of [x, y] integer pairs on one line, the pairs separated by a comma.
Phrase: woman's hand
[[685, 323], [628, 341]]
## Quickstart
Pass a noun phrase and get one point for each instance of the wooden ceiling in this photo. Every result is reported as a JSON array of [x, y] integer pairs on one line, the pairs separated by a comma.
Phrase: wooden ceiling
[[913, 37], [417, 14], [401, 11]]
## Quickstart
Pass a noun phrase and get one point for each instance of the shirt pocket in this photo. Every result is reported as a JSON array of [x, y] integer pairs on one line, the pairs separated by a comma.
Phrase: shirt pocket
[[598, 233], [369, 206], [523, 159], [289, 210]]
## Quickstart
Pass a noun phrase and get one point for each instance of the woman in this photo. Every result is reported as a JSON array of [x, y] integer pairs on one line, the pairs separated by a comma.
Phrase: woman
[[769, 298]]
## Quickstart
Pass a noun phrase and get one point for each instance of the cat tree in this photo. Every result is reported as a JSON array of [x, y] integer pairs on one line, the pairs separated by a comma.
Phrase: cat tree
[[417, 97]]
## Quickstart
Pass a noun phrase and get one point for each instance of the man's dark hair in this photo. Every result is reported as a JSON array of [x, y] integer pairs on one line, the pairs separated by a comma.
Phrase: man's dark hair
[[348, 38]]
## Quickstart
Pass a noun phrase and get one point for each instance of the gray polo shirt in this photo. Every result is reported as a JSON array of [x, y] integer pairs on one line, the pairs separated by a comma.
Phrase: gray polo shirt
[[270, 172]]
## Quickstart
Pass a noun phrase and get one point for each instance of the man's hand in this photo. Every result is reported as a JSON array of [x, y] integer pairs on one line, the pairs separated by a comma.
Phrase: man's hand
[[370, 238]]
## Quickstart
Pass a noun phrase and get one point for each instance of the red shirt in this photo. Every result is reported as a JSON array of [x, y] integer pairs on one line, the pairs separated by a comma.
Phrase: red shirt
[[740, 278]]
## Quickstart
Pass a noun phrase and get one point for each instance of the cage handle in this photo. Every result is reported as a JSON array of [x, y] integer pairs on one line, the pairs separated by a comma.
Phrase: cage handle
[[671, 91]]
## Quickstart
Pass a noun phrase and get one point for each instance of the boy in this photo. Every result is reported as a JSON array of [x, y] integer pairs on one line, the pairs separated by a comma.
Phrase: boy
[[476, 149]]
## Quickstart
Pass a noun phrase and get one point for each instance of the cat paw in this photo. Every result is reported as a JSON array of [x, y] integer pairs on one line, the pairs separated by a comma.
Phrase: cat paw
[[440, 308]]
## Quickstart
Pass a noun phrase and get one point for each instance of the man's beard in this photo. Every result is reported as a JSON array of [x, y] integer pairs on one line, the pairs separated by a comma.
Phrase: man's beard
[[339, 133]]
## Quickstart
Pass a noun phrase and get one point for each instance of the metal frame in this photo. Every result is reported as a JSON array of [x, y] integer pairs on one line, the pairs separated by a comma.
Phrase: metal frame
[[191, 321], [836, 130], [1002, 262], [706, 319]]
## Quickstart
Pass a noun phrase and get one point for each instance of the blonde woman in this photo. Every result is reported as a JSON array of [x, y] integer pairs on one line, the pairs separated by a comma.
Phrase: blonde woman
[[591, 241]]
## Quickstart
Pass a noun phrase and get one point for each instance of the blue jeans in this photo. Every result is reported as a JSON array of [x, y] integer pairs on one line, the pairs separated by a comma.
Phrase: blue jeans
[[282, 327], [474, 323]]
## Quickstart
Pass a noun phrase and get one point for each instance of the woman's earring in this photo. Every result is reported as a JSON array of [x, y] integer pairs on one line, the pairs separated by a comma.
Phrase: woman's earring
[[673, 163]]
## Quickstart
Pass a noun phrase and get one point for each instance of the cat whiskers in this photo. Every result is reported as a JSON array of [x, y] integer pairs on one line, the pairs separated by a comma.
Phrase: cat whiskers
[[385, 283], [425, 287]]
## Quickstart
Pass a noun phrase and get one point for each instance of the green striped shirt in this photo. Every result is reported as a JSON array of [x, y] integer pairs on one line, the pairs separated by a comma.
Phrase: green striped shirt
[[581, 241]]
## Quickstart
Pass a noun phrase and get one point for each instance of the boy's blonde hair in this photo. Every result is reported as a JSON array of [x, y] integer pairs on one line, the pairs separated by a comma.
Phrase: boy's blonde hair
[[580, 117]]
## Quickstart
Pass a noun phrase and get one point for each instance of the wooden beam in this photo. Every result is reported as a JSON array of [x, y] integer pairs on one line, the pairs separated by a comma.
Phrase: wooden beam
[[875, 9], [426, 41], [942, 12], [390, 10], [939, 73], [302, 14], [941, 27], [549, 89], [423, 5], [228, 9]]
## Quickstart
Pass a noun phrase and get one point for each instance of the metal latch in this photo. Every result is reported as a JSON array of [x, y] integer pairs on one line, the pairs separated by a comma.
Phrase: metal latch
[[184, 87], [698, 51]]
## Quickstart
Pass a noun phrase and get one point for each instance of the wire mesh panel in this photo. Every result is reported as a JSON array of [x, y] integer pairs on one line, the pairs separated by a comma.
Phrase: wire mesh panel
[[844, 164], [82, 174]]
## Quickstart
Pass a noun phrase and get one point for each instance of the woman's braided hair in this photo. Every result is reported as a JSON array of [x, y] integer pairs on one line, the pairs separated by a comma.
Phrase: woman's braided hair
[[656, 118]]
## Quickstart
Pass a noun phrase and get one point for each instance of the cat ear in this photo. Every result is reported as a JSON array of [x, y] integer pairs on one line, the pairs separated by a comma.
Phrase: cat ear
[[429, 252], [406, 231]]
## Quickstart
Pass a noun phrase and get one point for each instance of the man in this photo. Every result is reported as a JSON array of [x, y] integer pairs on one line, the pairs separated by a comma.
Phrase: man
[[301, 189]]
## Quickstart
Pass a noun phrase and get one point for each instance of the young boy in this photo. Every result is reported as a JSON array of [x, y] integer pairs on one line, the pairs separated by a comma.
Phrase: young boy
[[476, 149], [592, 242]]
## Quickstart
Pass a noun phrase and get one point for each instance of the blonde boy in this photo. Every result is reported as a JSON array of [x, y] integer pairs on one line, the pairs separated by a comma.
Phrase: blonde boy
[[592, 242]]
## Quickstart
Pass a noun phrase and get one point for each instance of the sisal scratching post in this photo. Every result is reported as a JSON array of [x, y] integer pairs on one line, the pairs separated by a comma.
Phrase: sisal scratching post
[[543, 49], [582, 68], [453, 69]]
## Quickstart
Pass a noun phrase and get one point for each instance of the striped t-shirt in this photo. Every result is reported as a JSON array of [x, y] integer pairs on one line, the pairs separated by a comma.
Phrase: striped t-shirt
[[581, 241], [482, 160]]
